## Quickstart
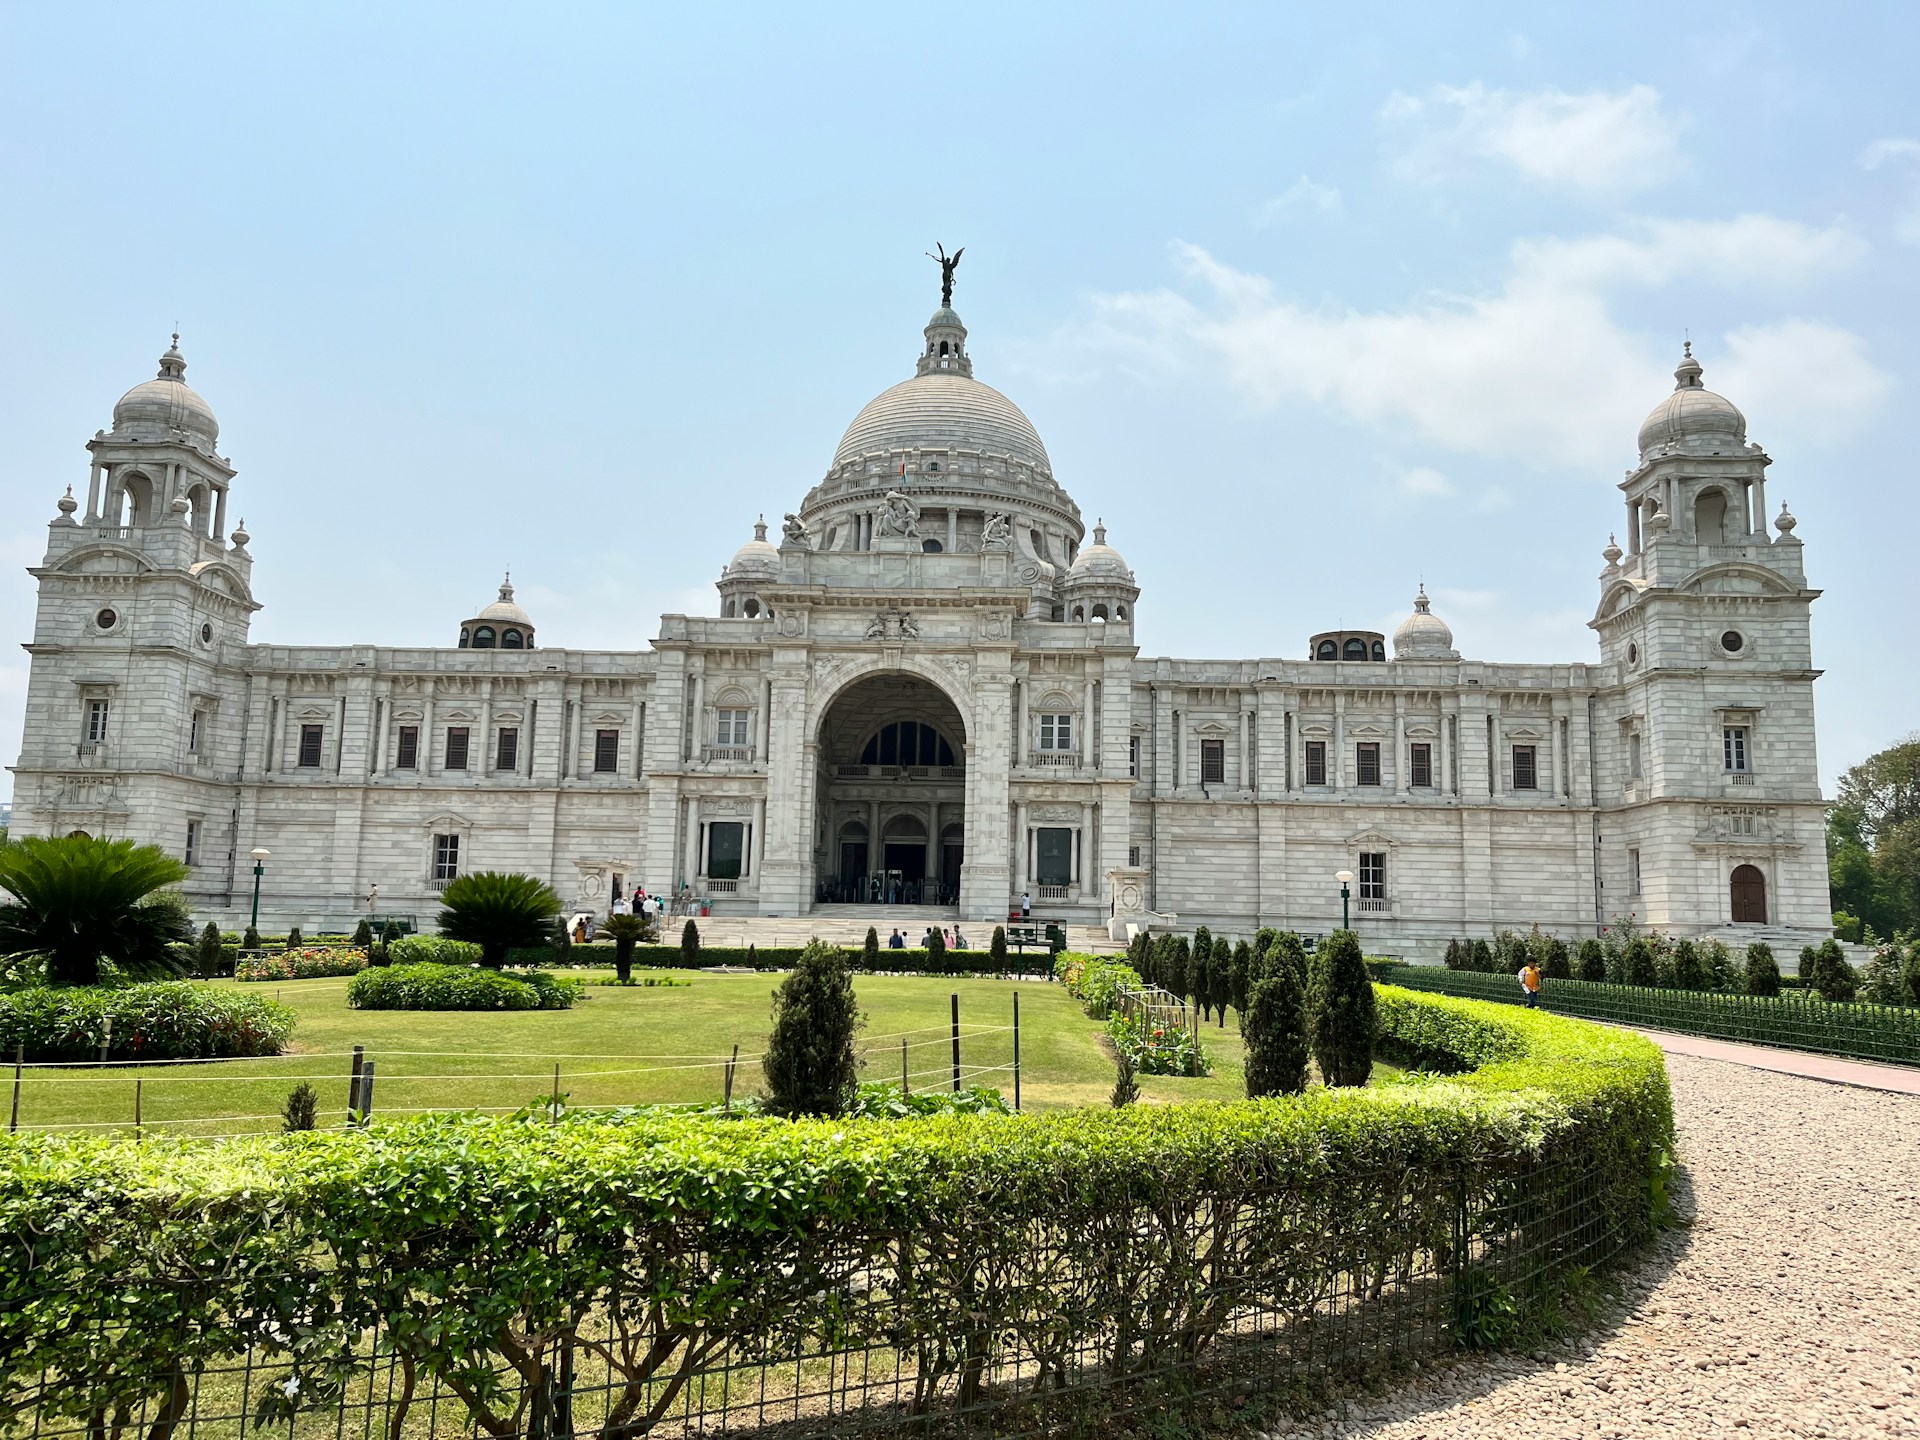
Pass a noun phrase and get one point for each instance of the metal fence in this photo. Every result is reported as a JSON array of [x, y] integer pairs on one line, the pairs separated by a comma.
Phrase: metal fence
[[1793, 1019], [1253, 1295]]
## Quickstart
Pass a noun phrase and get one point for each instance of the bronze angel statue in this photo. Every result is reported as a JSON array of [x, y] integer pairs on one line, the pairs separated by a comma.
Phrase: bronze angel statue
[[948, 264]]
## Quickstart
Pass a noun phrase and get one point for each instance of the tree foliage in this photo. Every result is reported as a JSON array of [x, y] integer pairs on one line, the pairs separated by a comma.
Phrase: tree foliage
[[810, 1064], [1763, 973], [498, 911], [1274, 1024], [1873, 840], [79, 904], [1340, 1010], [626, 931]]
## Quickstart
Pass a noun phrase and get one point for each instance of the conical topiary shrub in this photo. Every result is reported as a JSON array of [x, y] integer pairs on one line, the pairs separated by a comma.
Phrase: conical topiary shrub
[[1275, 1026], [810, 1064], [690, 945], [1591, 961], [1763, 973], [1340, 1010]]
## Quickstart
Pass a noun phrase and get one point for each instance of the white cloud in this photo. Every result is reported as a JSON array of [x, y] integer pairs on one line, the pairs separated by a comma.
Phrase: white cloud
[[1609, 142], [1804, 376], [1423, 482], [1494, 498], [1304, 195], [1539, 369], [1904, 152]]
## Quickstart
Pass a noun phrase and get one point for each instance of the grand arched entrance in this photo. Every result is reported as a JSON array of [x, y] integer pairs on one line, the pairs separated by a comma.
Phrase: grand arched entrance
[[890, 823]]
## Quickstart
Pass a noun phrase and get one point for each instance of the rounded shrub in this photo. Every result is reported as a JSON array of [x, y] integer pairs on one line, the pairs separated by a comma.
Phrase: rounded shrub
[[1481, 955], [1274, 1025], [1590, 962], [168, 1020], [1558, 964], [1762, 974], [1833, 977], [1640, 963], [1340, 1010], [1688, 971], [454, 987]]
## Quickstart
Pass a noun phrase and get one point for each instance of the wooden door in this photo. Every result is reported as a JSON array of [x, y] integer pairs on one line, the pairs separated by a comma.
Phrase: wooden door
[[1749, 888]]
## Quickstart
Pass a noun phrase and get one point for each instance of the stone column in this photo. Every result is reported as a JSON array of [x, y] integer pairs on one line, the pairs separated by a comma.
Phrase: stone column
[[582, 765], [93, 491], [1761, 521], [220, 513], [697, 721], [757, 838], [1020, 741], [1400, 766], [953, 531], [766, 721], [1633, 527], [639, 741], [691, 869], [932, 876], [1448, 729], [377, 762], [1337, 765], [1089, 757], [1553, 725], [487, 748], [876, 851], [1023, 862], [1490, 737]]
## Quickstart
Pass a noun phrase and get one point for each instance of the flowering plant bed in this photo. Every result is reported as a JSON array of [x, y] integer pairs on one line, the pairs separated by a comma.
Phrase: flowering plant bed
[[1158, 1049], [309, 964]]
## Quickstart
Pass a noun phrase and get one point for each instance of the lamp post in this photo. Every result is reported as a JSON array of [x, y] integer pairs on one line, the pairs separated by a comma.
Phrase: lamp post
[[259, 869], [1345, 877]]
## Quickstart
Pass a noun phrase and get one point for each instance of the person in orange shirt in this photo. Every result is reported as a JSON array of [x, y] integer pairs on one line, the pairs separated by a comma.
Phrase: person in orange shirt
[[1530, 982]]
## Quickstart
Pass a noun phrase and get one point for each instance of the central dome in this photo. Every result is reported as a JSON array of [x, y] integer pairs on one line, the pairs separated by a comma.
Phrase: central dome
[[943, 411]]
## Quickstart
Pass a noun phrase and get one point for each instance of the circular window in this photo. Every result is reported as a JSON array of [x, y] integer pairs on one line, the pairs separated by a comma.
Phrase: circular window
[[206, 634], [106, 619], [1633, 654], [1733, 642]]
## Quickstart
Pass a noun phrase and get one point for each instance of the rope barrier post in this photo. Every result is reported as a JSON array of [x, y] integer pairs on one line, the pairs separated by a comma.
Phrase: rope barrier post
[[106, 1040], [19, 1059], [1016, 1051], [136, 1107], [906, 1087], [366, 1093], [956, 1042], [553, 1116], [353, 1082], [731, 1064]]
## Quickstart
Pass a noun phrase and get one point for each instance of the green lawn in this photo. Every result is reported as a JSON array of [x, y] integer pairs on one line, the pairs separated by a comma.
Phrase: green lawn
[[618, 1046]]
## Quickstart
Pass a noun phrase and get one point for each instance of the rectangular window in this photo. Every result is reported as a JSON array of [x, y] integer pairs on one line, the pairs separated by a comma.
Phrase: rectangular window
[[1366, 762], [193, 733], [446, 858], [725, 846], [1733, 744], [730, 727], [1420, 766], [1056, 732], [456, 747], [312, 739], [506, 755], [1053, 856], [1633, 871], [1316, 762], [1526, 773], [192, 854], [1633, 757], [96, 722], [606, 751], [1133, 757], [1213, 762], [1373, 875], [407, 752], [1133, 856]]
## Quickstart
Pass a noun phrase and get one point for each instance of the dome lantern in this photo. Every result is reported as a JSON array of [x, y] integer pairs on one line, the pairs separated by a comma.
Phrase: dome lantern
[[1692, 420], [1423, 635], [503, 625], [166, 407]]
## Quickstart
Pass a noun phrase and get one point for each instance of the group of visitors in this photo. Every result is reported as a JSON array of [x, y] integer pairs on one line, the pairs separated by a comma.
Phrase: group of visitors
[[950, 937]]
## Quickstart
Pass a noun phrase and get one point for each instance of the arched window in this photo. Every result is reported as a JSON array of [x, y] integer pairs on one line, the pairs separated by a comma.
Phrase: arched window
[[1710, 518], [465, 638], [943, 347], [1119, 612], [78, 835], [931, 546], [1100, 612], [139, 506], [1749, 895], [1355, 650], [1328, 651], [907, 742], [727, 609], [1379, 650], [1059, 612], [512, 640], [483, 637], [751, 609], [1079, 612]]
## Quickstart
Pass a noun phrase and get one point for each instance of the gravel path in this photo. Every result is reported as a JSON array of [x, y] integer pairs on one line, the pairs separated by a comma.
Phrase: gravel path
[[1790, 1308]]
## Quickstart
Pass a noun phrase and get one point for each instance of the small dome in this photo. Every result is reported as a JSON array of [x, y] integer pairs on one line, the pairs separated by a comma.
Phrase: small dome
[[166, 406], [1693, 418], [756, 557], [1099, 561], [1423, 635], [504, 610]]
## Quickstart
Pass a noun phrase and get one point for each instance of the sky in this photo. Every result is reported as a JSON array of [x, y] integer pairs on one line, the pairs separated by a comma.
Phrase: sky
[[1311, 304]]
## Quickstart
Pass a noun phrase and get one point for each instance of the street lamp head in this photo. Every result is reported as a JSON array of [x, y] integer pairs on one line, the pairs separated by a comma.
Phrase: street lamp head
[[1345, 877], [259, 855]]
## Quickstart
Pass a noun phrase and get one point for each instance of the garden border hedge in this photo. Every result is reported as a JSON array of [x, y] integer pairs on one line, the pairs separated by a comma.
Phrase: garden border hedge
[[157, 1020], [601, 1270], [1795, 1021]]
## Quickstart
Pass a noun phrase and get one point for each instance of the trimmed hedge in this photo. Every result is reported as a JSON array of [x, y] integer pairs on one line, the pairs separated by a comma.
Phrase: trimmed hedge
[[1795, 1019], [171, 1020], [665, 1258], [438, 950], [459, 987]]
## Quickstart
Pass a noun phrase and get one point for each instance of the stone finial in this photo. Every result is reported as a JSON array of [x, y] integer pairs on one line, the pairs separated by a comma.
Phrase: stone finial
[[1785, 523], [1612, 553], [1686, 375], [239, 536], [178, 508], [173, 365], [1099, 532], [760, 528], [1660, 522], [67, 505], [506, 585]]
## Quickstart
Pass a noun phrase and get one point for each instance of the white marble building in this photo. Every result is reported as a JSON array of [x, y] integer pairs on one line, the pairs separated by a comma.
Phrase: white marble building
[[933, 676]]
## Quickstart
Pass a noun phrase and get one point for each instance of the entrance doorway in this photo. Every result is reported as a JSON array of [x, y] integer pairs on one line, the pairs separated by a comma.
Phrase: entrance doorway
[[892, 792], [1749, 894]]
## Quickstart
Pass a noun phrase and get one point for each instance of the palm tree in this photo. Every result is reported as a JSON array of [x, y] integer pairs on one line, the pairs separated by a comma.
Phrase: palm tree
[[78, 902], [627, 931], [497, 912]]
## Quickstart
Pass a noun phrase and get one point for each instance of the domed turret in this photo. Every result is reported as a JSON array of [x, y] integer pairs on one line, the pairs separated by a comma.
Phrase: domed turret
[[1423, 635], [1099, 586], [503, 625], [166, 407], [756, 558], [1693, 420]]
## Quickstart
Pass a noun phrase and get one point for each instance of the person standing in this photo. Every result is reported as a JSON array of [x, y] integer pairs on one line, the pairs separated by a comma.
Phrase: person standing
[[1530, 983], [1026, 905]]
